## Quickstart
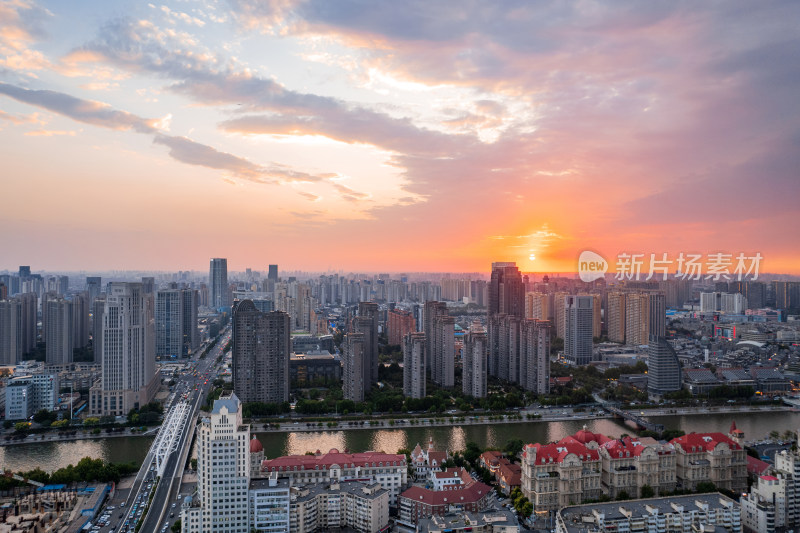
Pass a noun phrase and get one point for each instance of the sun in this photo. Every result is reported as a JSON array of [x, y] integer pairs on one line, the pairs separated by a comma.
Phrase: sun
[[532, 257]]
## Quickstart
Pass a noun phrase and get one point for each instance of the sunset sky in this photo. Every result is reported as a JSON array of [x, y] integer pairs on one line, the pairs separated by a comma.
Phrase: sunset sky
[[398, 135]]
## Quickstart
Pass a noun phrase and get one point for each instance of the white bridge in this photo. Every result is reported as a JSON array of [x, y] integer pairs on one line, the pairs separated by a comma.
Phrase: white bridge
[[169, 435]]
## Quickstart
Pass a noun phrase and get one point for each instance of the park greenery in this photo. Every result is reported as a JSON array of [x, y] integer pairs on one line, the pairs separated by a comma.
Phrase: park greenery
[[86, 471]]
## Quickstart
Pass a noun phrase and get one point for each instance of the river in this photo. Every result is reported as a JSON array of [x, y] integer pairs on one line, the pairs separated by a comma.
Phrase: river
[[51, 456], [755, 426]]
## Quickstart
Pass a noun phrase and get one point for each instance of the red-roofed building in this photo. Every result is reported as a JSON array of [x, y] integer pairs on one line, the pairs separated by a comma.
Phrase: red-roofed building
[[509, 476], [490, 460], [560, 474], [417, 502], [450, 478], [713, 457], [756, 467], [628, 464], [427, 460], [388, 469]]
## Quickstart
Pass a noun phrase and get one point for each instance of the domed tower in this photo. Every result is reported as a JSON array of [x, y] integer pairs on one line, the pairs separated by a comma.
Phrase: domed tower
[[736, 434], [256, 457]]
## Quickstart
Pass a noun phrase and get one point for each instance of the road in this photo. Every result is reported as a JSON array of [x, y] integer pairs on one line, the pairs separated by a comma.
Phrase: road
[[194, 386]]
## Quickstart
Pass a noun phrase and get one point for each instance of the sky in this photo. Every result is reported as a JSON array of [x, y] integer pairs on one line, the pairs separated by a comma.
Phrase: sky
[[397, 136]]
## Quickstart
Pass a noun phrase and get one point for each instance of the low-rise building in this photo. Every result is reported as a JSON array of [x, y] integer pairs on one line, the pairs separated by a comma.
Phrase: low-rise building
[[490, 521], [387, 469], [314, 368], [699, 381], [417, 502], [712, 457], [450, 478], [560, 474], [341, 504], [764, 508], [425, 461], [629, 464], [700, 513], [268, 504], [25, 394]]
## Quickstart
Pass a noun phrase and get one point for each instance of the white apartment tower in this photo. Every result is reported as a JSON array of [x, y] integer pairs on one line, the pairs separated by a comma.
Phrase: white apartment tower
[[127, 351], [223, 471]]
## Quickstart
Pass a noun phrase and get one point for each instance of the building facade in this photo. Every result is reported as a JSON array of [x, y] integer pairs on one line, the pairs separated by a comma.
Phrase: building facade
[[260, 348], [219, 292], [474, 361], [579, 317], [414, 365]]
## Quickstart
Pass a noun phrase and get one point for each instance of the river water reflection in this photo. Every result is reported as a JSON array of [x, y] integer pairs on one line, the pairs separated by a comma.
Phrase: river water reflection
[[51, 456]]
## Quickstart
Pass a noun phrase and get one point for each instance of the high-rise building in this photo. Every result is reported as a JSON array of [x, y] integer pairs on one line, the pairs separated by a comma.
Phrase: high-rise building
[[615, 320], [80, 319], [30, 303], [367, 323], [645, 315], [535, 356], [353, 386], [148, 284], [272, 274], [539, 306], [24, 271], [223, 471], [663, 367], [414, 365], [474, 358], [218, 282], [431, 310], [578, 316], [399, 324], [127, 352], [176, 322], [10, 331], [731, 303], [60, 342], [93, 287], [261, 346], [98, 308], [506, 297], [444, 351]]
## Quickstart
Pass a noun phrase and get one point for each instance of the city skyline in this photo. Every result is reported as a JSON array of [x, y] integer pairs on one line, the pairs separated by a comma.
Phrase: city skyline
[[448, 136]]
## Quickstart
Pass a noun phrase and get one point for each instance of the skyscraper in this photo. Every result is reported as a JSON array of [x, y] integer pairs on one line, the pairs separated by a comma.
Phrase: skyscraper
[[616, 316], [444, 351], [663, 367], [129, 378], [59, 343], [261, 346], [148, 284], [272, 274], [474, 357], [353, 355], [93, 287], [80, 319], [218, 282], [414, 365], [176, 322], [506, 297], [579, 316], [535, 356], [30, 303], [98, 308], [223, 471], [367, 323], [10, 331], [430, 312]]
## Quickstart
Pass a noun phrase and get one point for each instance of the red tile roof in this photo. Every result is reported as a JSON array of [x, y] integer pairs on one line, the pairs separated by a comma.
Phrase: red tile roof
[[704, 442], [628, 447], [333, 457], [470, 494], [756, 466], [558, 451], [584, 436]]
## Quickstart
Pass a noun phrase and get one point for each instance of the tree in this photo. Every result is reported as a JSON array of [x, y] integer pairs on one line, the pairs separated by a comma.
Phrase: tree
[[647, 491], [21, 426], [176, 527], [194, 463], [706, 486], [513, 447], [623, 495]]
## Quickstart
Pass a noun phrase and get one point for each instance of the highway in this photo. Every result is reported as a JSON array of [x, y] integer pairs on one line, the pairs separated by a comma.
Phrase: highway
[[196, 386]]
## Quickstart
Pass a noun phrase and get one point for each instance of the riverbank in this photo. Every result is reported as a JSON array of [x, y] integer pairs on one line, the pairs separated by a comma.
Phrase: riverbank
[[81, 434], [273, 425]]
